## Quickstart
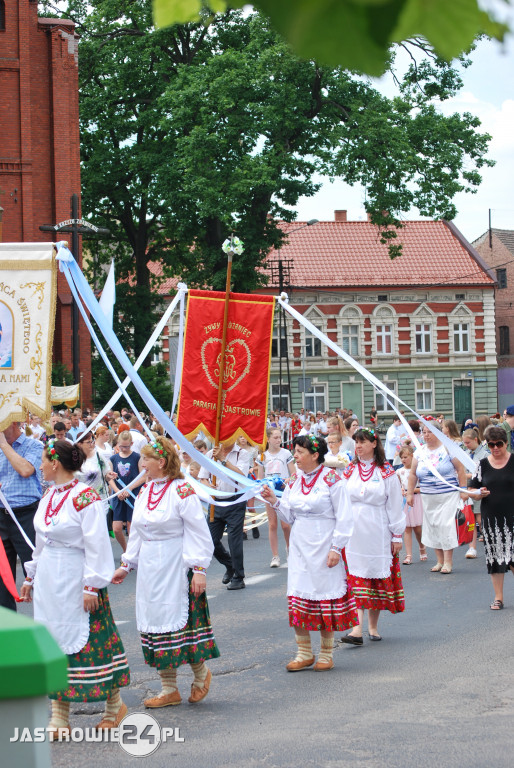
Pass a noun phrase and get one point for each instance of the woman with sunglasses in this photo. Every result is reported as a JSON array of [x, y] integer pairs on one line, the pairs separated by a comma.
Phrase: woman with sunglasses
[[494, 479]]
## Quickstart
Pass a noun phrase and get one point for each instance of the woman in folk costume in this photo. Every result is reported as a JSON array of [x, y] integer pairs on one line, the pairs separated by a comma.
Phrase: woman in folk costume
[[379, 522], [171, 546], [315, 504], [69, 571]]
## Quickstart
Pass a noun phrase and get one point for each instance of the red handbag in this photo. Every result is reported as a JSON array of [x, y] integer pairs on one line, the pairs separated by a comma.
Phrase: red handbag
[[465, 522]]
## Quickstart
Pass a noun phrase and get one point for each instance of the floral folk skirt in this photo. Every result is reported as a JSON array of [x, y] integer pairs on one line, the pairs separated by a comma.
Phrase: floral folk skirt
[[190, 645], [328, 615], [380, 594], [101, 665]]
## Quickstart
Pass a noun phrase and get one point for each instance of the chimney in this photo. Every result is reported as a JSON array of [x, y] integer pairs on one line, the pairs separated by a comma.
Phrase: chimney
[[340, 216]]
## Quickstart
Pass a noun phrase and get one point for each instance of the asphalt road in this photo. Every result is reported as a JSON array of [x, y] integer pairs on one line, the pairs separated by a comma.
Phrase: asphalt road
[[437, 692]]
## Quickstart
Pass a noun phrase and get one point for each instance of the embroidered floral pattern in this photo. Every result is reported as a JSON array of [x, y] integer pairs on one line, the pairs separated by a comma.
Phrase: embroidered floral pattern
[[101, 665], [85, 498], [329, 615], [349, 471], [193, 643], [291, 481], [331, 478], [380, 594], [185, 490]]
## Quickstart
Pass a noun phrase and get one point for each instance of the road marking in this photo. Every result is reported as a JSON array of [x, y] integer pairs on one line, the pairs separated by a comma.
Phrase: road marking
[[122, 622], [258, 579]]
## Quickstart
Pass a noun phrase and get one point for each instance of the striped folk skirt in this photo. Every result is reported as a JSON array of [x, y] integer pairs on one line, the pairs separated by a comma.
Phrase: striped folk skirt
[[328, 615], [101, 665], [190, 645], [380, 594]]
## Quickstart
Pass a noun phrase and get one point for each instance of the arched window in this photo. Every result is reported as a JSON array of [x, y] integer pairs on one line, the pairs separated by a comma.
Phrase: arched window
[[351, 330]]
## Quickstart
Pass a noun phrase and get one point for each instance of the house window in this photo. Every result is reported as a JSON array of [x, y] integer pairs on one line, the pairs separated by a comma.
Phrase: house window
[[384, 335], [350, 338], [424, 395], [423, 338], [277, 351], [2, 16], [382, 297], [315, 398], [504, 340], [156, 354], [501, 276], [312, 344], [279, 397], [381, 403], [461, 337]]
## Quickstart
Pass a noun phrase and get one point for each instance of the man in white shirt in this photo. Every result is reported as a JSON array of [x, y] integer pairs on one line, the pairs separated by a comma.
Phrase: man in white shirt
[[322, 425], [394, 437], [139, 438], [231, 456]]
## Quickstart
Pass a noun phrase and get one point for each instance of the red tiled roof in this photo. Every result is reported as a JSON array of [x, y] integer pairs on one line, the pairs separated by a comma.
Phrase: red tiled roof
[[168, 285], [350, 254]]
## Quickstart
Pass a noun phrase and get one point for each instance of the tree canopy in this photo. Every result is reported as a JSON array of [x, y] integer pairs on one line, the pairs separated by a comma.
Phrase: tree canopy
[[192, 132]]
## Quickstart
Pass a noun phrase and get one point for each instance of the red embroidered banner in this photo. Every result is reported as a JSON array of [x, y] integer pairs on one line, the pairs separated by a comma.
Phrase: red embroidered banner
[[247, 366]]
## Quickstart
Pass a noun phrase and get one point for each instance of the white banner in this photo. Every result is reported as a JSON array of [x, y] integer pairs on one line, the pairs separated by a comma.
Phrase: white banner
[[28, 291], [68, 395]]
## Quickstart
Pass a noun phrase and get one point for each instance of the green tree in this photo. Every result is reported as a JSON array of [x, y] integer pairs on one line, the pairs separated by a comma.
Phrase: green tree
[[196, 131]]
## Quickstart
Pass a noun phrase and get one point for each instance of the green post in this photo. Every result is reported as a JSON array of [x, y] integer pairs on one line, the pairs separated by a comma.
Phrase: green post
[[31, 666]]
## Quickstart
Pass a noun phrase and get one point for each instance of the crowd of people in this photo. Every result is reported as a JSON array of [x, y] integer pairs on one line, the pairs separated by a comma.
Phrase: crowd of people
[[347, 504]]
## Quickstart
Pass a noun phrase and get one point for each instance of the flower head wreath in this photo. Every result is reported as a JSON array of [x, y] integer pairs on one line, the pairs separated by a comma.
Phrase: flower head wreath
[[157, 447], [51, 452], [314, 442], [366, 429]]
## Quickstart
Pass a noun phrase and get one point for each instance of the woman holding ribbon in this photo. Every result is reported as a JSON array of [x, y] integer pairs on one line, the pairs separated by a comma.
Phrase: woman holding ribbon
[[376, 497], [439, 476], [70, 569], [316, 507], [171, 546]]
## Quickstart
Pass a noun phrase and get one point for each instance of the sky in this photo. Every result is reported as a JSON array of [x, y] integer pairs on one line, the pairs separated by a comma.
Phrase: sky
[[488, 93]]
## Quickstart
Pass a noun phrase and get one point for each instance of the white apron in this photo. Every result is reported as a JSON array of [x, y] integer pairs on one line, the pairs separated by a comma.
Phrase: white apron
[[162, 600], [59, 597]]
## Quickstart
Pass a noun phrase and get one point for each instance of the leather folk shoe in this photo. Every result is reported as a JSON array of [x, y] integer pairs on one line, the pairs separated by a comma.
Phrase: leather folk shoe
[[107, 724], [197, 694], [296, 666], [321, 665], [169, 700]]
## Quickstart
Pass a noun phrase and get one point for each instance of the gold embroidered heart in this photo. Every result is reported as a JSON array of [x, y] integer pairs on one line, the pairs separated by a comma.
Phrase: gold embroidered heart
[[237, 357]]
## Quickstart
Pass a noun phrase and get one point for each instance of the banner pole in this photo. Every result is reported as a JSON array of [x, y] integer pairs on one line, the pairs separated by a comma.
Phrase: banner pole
[[222, 365]]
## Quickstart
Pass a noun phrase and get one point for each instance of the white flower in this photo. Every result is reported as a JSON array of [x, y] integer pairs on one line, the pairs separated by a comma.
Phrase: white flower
[[233, 245]]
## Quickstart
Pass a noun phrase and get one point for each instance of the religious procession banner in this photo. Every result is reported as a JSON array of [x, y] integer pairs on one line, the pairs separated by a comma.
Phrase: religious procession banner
[[28, 291], [246, 372], [68, 395]]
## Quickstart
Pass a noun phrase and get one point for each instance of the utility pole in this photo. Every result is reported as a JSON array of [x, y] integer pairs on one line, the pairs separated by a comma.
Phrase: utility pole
[[281, 274]]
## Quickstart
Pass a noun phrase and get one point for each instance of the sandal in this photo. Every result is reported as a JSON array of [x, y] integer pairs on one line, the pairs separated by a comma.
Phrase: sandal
[[496, 605], [423, 554], [407, 561], [436, 568], [446, 569]]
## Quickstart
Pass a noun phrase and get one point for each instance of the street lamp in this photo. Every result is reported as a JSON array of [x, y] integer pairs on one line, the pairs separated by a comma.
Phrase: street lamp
[[281, 273]]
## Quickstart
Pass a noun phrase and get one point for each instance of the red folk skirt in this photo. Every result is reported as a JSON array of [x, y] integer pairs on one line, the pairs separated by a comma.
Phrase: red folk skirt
[[328, 615], [380, 594]]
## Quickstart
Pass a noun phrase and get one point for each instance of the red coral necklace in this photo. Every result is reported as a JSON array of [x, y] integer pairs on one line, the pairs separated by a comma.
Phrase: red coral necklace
[[365, 473], [52, 511], [308, 486], [154, 502]]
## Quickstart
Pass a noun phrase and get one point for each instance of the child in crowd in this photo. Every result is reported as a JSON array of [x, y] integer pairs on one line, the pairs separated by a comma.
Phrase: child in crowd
[[336, 457], [126, 464], [414, 514]]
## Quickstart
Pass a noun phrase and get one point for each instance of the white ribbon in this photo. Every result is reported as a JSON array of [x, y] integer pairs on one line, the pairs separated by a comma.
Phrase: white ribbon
[[7, 506], [454, 450]]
